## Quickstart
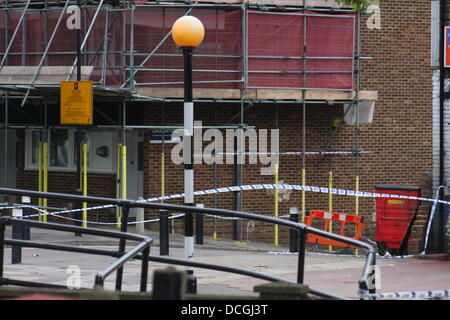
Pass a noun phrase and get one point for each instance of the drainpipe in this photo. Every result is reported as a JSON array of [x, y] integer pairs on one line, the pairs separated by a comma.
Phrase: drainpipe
[[443, 10]]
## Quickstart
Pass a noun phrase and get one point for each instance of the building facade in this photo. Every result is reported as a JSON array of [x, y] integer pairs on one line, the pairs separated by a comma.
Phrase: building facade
[[350, 96]]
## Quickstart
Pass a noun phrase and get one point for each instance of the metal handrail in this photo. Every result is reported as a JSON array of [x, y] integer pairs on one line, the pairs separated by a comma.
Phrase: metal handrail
[[143, 246], [250, 273], [364, 286]]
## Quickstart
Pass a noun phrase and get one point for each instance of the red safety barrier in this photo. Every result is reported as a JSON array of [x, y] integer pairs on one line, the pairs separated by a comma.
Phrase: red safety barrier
[[343, 218]]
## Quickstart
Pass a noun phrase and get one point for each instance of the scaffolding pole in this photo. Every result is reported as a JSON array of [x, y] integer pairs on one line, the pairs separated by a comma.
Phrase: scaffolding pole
[[214, 236], [163, 160], [105, 49], [135, 70], [357, 133], [5, 150], [123, 160], [303, 202], [300, 153], [84, 182], [45, 176], [44, 55], [119, 183], [43, 163], [40, 175], [357, 128], [75, 63], [330, 179], [275, 206], [132, 82], [24, 12], [239, 178]]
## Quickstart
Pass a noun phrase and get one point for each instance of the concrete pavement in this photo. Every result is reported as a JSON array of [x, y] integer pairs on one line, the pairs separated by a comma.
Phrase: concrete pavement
[[332, 273]]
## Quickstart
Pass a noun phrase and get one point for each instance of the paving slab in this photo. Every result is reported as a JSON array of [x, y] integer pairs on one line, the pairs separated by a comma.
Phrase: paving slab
[[338, 274]]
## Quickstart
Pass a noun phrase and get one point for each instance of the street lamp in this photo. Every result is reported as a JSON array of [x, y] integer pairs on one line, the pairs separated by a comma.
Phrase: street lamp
[[188, 33]]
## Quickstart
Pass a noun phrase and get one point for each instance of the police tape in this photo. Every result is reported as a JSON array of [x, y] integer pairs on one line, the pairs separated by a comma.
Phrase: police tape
[[430, 219], [298, 153], [19, 206], [58, 215], [339, 255], [409, 295], [343, 192]]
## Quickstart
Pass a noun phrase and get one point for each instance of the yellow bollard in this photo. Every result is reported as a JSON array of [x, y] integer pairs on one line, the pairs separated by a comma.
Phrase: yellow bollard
[[84, 224], [357, 197], [124, 172], [162, 175], [357, 205], [40, 176], [275, 206], [119, 183], [45, 180], [303, 195], [330, 205]]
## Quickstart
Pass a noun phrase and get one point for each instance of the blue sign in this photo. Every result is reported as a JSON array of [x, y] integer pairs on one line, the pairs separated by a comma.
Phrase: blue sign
[[158, 136]]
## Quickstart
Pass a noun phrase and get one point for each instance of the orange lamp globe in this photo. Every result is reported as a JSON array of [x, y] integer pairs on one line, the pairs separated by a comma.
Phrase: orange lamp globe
[[188, 31]]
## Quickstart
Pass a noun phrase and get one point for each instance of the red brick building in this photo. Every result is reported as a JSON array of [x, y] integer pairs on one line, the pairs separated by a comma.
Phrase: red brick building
[[248, 73]]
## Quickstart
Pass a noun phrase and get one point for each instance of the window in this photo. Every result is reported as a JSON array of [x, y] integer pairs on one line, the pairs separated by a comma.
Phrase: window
[[61, 150], [35, 148], [100, 151]]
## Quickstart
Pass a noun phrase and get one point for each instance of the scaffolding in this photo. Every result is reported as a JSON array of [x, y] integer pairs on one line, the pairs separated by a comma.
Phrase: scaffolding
[[121, 55], [126, 62]]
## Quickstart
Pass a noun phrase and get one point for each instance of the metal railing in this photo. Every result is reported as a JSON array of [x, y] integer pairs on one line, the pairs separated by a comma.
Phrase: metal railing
[[143, 246], [365, 282]]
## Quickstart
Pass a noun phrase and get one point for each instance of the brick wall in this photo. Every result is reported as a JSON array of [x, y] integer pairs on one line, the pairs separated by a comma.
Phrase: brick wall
[[401, 73], [436, 126], [99, 184], [399, 139]]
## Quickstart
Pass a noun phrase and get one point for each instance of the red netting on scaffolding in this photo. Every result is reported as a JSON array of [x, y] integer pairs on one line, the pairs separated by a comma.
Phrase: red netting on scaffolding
[[217, 62], [275, 43], [276, 50], [107, 58]]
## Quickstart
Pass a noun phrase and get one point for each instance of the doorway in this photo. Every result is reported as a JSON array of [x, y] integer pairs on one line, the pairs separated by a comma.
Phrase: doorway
[[7, 159], [135, 172]]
